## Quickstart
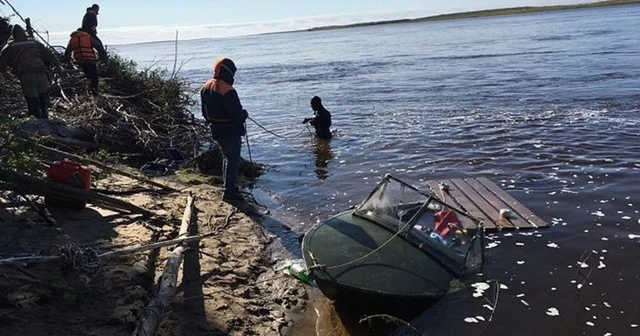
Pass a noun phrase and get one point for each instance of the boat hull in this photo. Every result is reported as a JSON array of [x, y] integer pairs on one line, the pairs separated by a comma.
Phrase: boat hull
[[358, 262]]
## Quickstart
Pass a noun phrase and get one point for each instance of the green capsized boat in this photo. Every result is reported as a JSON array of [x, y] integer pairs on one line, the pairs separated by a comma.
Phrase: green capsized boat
[[393, 249]]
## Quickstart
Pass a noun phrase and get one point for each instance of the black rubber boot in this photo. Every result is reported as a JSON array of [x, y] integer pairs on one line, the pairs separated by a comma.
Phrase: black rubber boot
[[33, 104], [44, 106]]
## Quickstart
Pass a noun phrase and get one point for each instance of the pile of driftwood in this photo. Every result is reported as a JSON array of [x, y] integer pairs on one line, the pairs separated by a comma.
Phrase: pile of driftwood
[[137, 112], [141, 112]]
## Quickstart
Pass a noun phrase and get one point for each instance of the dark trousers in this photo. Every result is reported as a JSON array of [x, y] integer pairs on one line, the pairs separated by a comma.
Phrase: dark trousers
[[94, 34], [230, 147], [90, 70]]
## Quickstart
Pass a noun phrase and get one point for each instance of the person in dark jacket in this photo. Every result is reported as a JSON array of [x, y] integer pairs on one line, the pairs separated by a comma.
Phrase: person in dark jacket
[[82, 45], [31, 62], [321, 120], [222, 109], [90, 22], [5, 31]]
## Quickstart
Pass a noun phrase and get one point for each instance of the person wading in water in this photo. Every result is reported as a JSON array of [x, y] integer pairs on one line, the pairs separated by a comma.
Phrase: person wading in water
[[322, 119]]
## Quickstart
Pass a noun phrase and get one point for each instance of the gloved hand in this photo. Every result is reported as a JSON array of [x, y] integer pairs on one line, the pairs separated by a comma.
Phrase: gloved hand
[[306, 120]]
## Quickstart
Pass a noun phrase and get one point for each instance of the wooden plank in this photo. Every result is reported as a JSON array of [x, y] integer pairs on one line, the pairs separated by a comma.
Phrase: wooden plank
[[521, 209], [463, 202], [492, 214], [467, 223], [514, 221]]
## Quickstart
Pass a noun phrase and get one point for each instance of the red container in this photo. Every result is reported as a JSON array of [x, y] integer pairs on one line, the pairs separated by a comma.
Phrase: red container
[[72, 174]]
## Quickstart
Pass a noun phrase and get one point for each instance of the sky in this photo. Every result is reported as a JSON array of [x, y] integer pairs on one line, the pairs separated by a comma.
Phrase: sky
[[133, 21]]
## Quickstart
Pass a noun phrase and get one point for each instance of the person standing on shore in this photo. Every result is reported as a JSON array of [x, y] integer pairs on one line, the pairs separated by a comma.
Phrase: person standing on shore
[[90, 22], [82, 45], [221, 108], [321, 120], [5, 31], [31, 62]]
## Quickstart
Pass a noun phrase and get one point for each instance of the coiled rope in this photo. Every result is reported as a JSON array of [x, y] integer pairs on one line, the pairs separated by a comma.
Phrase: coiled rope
[[86, 259]]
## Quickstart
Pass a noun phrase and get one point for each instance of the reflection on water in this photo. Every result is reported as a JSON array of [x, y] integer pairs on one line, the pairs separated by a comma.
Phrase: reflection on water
[[322, 152], [331, 319]]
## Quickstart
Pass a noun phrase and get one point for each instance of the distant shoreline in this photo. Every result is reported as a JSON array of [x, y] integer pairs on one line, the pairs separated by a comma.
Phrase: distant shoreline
[[480, 13]]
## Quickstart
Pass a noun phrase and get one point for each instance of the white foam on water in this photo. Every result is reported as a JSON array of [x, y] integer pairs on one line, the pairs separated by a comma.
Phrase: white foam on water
[[582, 264], [520, 262], [519, 295], [471, 320], [633, 236], [591, 324], [553, 245], [519, 244], [480, 288], [602, 265], [488, 307], [553, 312], [525, 303], [598, 213], [626, 217], [503, 286]]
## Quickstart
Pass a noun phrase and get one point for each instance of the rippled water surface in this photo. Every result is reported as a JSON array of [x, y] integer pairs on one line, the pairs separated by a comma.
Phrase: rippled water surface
[[546, 105]]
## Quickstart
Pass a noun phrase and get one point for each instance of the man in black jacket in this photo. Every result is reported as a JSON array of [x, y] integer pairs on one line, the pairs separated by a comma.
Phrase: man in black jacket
[[90, 21], [322, 119]]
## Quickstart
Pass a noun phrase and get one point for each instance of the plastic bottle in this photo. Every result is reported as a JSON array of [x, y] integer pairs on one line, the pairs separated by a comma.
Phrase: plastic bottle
[[298, 271], [445, 241]]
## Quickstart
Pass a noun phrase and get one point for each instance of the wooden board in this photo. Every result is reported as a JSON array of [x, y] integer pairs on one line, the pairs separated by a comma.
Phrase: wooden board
[[521, 209], [453, 197], [483, 200]]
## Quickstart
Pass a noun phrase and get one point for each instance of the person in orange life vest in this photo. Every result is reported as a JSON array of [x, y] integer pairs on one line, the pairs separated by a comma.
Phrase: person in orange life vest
[[221, 108], [322, 119], [31, 62], [90, 22], [82, 45]]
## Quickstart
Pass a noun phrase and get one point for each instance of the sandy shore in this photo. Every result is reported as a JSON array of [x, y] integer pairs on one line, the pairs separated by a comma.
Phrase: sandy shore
[[227, 284]]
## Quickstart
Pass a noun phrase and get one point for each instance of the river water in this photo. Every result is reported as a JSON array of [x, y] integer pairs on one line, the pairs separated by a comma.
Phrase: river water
[[546, 105]]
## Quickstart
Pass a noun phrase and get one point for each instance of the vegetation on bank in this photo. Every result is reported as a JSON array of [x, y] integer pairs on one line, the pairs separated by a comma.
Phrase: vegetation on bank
[[140, 116], [484, 13]]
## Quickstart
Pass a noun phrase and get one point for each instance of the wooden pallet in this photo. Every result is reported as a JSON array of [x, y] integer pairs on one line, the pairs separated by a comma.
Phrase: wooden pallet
[[483, 200]]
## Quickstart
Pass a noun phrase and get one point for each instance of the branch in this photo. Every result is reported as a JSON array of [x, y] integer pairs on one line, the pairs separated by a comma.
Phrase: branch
[[156, 308]]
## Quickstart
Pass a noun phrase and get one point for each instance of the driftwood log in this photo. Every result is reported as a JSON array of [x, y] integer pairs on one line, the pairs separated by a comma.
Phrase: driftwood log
[[36, 186], [167, 286]]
